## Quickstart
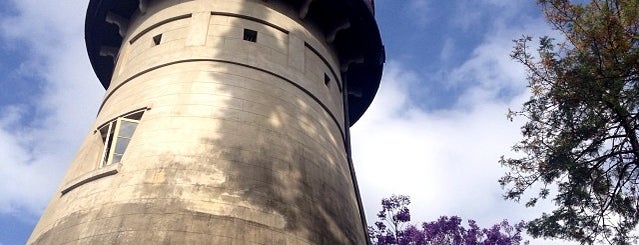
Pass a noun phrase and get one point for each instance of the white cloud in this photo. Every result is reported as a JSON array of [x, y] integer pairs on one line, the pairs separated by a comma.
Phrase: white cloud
[[433, 156], [34, 154], [24, 171], [36, 22], [447, 51], [446, 159], [475, 13], [490, 73]]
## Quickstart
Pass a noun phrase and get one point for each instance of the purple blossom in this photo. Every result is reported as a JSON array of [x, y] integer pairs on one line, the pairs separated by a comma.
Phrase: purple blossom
[[389, 230]]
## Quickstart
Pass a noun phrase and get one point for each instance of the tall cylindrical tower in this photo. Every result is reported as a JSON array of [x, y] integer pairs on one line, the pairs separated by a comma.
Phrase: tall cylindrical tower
[[224, 122]]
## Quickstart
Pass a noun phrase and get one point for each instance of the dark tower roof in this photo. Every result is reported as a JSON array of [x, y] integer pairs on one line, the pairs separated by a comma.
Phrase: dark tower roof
[[361, 42]]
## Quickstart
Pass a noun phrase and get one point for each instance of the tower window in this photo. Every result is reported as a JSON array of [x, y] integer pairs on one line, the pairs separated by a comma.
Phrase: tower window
[[116, 136], [250, 35], [157, 39], [327, 79]]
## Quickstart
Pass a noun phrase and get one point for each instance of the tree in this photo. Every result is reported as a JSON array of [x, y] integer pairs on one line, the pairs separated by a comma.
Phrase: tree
[[580, 138], [389, 229], [394, 213]]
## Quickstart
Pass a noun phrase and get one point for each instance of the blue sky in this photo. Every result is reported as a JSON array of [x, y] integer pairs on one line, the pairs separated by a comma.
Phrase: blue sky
[[435, 130]]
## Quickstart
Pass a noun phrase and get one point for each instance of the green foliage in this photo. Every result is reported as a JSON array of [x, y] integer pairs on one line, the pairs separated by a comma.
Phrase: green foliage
[[580, 137]]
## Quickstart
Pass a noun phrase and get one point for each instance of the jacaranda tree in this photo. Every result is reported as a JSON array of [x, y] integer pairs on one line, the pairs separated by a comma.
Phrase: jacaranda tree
[[580, 142], [393, 227]]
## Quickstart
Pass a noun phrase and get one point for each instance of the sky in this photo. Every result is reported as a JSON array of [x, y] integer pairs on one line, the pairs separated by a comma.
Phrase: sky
[[435, 130]]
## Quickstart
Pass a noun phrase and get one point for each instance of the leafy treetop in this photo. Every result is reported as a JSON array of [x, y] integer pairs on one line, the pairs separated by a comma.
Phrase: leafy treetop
[[580, 137]]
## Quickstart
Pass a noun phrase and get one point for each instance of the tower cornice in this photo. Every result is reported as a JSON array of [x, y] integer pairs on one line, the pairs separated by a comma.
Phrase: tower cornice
[[349, 27]]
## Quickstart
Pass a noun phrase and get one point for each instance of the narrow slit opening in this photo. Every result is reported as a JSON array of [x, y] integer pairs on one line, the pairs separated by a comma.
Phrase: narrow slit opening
[[157, 39], [250, 35], [327, 80]]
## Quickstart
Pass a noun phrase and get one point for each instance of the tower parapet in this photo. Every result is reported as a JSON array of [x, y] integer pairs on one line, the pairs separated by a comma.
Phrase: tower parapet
[[347, 26], [223, 122]]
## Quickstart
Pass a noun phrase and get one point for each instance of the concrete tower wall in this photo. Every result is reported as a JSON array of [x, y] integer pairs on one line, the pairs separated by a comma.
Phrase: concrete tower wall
[[239, 142]]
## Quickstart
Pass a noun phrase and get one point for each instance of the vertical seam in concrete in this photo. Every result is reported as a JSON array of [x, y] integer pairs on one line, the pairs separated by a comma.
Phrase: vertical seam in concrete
[[296, 57], [199, 29]]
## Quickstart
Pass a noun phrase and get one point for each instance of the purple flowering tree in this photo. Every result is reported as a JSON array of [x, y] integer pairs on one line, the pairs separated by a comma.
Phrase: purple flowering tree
[[393, 228], [393, 216]]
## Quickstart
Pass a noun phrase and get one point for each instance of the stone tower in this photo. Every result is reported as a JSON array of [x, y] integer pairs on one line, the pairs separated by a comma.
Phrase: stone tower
[[223, 122]]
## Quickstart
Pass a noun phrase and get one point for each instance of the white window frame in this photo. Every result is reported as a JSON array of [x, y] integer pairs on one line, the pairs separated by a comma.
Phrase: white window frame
[[112, 134]]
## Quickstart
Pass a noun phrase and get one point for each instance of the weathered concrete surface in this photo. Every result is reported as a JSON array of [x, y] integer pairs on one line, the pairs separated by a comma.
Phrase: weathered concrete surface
[[241, 143]]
